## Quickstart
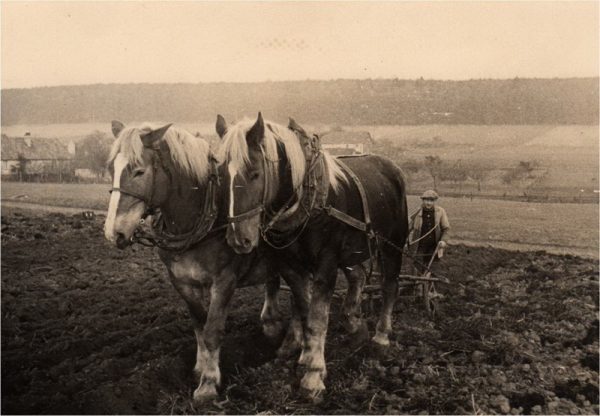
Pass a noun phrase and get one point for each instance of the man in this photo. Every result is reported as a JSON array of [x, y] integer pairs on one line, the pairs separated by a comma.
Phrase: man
[[428, 227]]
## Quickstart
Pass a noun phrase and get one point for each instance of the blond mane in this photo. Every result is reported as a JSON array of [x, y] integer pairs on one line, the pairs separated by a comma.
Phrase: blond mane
[[234, 149], [188, 152]]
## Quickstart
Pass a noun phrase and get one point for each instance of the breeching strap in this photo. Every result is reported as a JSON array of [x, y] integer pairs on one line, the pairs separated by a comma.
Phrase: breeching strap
[[353, 222], [345, 218]]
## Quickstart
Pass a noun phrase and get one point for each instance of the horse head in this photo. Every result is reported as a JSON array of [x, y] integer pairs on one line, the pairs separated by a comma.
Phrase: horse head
[[263, 163], [144, 163]]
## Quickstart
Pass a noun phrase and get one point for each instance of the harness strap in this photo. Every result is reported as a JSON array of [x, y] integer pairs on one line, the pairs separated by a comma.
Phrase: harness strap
[[361, 191], [345, 218], [245, 215], [307, 183], [353, 222], [130, 193], [203, 227]]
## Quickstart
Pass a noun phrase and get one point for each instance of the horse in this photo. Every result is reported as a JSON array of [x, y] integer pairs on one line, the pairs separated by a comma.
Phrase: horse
[[169, 169], [287, 192]]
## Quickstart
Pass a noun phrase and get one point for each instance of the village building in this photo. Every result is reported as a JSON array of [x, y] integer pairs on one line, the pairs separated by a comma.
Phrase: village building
[[37, 158], [339, 142]]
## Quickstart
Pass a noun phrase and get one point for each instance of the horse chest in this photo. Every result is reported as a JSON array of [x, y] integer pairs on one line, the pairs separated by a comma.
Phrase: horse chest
[[187, 270]]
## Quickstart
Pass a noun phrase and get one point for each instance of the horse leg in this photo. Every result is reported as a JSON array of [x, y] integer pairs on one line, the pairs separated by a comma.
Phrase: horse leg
[[389, 289], [299, 285], [356, 278], [214, 328], [270, 315], [312, 359], [194, 297]]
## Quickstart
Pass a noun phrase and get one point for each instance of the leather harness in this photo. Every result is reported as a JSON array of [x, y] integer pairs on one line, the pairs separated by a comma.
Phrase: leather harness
[[160, 237]]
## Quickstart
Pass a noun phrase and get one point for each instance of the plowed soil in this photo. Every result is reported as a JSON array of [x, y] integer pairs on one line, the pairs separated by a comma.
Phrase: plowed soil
[[87, 328]]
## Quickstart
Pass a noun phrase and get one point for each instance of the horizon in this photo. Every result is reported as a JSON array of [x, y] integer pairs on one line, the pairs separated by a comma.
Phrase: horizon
[[51, 44], [301, 80]]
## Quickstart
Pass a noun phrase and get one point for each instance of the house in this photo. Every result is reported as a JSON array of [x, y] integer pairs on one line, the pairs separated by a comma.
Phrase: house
[[43, 158], [339, 142]]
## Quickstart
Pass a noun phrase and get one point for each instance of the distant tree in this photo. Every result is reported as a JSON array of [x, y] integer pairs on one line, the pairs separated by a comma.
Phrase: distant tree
[[478, 172], [455, 172], [93, 152], [411, 166], [434, 166], [524, 169]]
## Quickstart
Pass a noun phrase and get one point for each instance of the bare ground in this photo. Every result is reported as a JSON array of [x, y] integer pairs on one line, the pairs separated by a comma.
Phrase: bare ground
[[90, 329]]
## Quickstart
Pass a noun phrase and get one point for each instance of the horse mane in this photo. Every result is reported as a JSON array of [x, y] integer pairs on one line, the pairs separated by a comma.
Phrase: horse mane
[[188, 152], [234, 149]]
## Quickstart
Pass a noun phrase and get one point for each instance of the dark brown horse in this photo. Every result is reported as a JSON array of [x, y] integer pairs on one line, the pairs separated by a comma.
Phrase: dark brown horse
[[284, 189], [171, 170]]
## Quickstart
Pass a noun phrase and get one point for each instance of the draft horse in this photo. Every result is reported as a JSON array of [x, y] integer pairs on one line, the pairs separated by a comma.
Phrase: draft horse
[[318, 214], [170, 170]]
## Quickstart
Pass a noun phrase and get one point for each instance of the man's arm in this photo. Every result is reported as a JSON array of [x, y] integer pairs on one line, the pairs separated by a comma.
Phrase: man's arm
[[444, 225]]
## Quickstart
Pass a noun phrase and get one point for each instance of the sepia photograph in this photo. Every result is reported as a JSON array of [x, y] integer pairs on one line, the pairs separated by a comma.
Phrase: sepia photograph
[[300, 207]]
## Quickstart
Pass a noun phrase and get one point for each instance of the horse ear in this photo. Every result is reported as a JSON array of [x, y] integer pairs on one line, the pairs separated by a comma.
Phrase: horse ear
[[116, 127], [221, 126], [154, 136], [292, 125], [256, 133]]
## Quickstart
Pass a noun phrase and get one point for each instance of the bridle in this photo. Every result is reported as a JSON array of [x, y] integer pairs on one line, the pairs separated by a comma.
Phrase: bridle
[[316, 157], [262, 207], [148, 201], [160, 237]]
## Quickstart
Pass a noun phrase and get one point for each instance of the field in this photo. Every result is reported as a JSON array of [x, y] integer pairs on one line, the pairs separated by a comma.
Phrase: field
[[567, 155], [558, 228], [94, 196], [87, 328]]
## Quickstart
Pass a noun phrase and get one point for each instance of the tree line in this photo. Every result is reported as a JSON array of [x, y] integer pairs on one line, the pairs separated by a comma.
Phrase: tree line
[[348, 102], [456, 172]]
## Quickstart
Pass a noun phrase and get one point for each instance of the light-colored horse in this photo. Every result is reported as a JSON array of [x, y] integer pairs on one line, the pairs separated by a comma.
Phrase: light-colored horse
[[170, 169]]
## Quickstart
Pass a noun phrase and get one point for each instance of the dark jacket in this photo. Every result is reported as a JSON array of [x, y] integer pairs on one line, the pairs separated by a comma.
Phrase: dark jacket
[[442, 225]]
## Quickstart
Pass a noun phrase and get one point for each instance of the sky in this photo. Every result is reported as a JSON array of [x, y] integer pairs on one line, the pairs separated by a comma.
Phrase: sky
[[74, 43]]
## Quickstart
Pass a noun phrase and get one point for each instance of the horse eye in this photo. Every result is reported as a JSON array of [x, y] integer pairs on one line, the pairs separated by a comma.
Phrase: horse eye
[[138, 172], [254, 176]]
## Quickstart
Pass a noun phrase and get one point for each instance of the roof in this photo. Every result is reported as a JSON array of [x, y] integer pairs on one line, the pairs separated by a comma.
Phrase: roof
[[41, 148], [350, 137]]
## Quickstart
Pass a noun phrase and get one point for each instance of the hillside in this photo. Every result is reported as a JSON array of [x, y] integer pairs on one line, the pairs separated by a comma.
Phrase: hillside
[[348, 102]]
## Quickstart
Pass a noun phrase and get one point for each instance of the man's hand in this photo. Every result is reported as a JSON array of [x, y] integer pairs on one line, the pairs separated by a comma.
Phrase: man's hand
[[443, 244]]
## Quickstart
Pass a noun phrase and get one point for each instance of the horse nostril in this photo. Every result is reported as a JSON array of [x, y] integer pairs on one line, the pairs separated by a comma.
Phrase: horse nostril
[[246, 242]]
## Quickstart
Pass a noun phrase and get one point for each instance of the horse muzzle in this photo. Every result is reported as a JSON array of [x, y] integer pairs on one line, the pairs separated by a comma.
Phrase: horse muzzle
[[241, 245]]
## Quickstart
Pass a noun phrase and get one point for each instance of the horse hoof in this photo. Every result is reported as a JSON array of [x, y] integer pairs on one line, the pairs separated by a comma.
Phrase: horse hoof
[[205, 393], [312, 387], [273, 329], [381, 340]]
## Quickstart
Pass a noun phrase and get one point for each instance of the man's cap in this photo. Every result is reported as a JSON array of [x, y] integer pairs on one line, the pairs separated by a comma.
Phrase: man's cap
[[429, 194]]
